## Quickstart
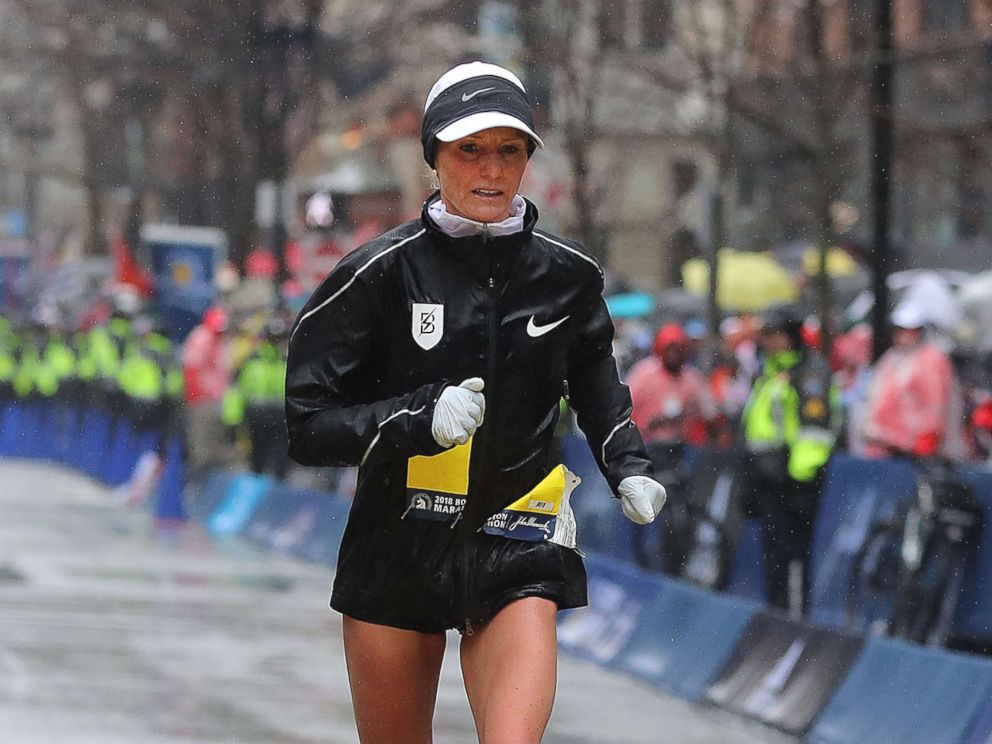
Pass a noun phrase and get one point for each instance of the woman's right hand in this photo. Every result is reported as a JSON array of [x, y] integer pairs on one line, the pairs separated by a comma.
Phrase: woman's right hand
[[459, 412]]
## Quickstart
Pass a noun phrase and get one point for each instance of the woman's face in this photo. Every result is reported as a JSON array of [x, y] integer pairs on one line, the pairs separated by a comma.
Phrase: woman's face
[[480, 174]]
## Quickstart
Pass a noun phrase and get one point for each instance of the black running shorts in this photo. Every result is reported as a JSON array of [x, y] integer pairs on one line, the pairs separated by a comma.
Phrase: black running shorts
[[421, 575]]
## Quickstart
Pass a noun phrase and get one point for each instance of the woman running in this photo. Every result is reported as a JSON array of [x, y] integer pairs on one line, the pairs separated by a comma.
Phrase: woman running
[[434, 358]]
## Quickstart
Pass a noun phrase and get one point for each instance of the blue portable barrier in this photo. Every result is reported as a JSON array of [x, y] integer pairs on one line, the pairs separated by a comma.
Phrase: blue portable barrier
[[860, 492], [747, 567], [981, 727], [619, 593], [857, 493], [306, 524], [244, 494], [11, 428], [30, 443], [322, 542], [684, 636], [203, 501], [172, 483], [94, 441], [118, 464], [974, 613], [272, 513], [902, 694], [44, 439], [64, 414], [784, 672], [670, 634]]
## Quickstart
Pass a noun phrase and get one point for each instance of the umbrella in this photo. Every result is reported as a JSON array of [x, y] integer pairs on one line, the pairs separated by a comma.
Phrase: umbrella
[[839, 262], [630, 304], [746, 282]]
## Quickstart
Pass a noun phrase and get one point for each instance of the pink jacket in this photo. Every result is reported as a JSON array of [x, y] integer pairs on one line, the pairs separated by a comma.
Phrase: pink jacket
[[913, 394], [206, 366], [667, 407]]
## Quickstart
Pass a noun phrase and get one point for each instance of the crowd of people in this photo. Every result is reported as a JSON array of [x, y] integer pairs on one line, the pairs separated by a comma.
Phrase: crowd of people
[[781, 404], [220, 391]]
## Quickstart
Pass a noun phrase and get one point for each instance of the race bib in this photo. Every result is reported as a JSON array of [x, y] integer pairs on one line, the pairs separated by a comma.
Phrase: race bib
[[436, 486], [542, 514]]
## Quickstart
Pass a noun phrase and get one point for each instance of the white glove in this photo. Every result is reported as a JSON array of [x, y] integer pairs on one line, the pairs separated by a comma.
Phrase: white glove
[[459, 412], [641, 498]]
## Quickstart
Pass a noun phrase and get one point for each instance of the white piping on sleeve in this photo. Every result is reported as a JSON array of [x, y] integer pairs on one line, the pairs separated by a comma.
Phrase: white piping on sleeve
[[616, 428], [351, 281], [569, 248], [385, 421]]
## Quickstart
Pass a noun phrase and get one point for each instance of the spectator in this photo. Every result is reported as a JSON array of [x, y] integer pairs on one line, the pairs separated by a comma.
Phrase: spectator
[[256, 398], [206, 372], [851, 360], [671, 401], [914, 403], [788, 433]]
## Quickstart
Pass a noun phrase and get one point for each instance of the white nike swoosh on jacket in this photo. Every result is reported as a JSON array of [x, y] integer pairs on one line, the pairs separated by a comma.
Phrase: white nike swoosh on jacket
[[534, 330]]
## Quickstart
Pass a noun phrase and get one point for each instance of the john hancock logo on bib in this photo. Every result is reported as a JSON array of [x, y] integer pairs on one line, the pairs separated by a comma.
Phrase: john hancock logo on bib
[[428, 324]]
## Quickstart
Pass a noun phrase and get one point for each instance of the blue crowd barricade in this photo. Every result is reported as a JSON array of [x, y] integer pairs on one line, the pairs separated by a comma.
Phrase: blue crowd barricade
[[29, 443], [302, 523], [44, 441], [783, 672], [204, 500], [981, 727], [330, 515], [172, 482], [96, 436], [747, 568], [973, 621], [11, 428], [243, 495], [118, 464], [683, 637], [901, 694], [672, 635], [856, 494], [273, 513], [618, 596], [63, 420]]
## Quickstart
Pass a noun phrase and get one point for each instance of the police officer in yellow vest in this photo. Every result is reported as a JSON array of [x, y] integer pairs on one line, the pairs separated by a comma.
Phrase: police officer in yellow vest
[[257, 399], [151, 378], [789, 432]]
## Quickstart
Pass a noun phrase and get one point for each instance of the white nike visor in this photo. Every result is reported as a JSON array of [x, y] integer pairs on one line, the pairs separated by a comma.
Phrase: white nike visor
[[472, 97]]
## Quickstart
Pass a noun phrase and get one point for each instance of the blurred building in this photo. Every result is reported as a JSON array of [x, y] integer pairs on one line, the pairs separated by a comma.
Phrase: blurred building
[[635, 149], [942, 181]]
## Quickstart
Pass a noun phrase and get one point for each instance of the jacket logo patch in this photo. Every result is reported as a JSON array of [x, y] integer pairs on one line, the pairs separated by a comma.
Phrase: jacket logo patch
[[428, 324]]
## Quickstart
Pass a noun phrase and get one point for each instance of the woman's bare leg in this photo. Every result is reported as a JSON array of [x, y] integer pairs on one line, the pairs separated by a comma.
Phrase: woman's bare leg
[[394, 676], [510, 670]]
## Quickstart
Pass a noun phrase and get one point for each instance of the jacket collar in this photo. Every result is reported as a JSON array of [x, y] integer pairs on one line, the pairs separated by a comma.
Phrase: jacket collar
[[486, 256]]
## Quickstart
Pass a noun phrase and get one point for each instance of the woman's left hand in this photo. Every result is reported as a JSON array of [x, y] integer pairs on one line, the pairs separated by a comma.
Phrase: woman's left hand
[[641, 498]]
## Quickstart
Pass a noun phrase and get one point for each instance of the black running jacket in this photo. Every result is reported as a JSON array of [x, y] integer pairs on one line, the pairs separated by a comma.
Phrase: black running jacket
[[413, 311]]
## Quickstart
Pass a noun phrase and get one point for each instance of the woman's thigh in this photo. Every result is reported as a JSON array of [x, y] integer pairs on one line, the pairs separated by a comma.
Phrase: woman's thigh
[[394, 677], [510, 670]]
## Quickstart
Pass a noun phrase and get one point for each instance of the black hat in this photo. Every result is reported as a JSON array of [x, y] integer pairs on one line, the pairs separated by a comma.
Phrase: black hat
[[472, 97], [784, 319]]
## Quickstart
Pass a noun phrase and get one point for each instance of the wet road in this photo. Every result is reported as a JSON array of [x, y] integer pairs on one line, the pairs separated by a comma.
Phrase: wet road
[[114, 633]]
